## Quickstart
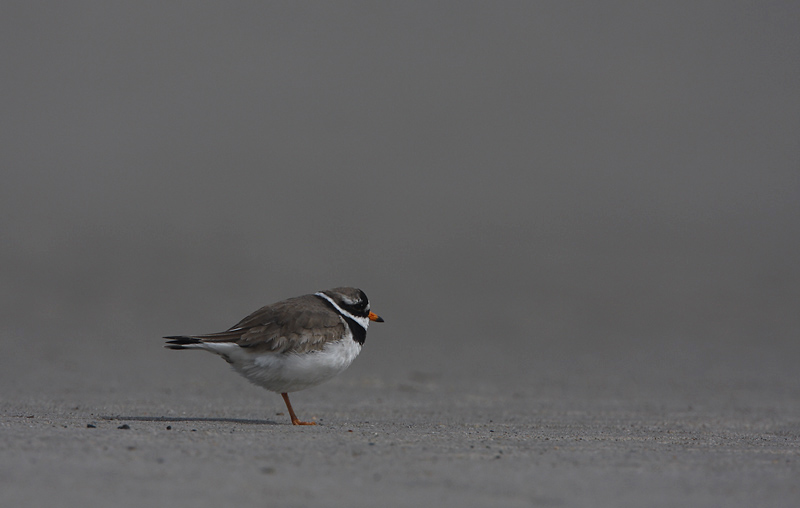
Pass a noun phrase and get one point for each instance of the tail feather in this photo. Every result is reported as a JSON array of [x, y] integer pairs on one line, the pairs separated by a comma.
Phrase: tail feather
[[181, 342]]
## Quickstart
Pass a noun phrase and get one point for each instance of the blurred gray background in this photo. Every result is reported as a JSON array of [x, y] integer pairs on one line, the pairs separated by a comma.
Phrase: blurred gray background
[[519, 187], [564, 201]]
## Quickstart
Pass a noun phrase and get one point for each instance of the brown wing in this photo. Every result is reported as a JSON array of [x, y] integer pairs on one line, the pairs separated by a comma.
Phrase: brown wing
[[296, 325]]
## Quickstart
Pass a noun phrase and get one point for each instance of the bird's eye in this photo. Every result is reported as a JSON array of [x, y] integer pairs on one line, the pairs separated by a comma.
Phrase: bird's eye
[[361, 304]]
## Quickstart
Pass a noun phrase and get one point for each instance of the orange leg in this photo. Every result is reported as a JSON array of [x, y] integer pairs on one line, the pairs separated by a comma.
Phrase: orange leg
[[293, 416]]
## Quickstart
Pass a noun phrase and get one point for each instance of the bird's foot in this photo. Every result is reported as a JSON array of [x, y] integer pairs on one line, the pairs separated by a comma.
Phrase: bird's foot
[[295, 421]]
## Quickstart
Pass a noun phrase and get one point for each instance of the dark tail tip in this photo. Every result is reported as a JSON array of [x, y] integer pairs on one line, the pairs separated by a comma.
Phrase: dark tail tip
[[180, 341]]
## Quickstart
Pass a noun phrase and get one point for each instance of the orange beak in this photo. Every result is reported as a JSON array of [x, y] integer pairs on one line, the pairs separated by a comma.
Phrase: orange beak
[[375, 317]]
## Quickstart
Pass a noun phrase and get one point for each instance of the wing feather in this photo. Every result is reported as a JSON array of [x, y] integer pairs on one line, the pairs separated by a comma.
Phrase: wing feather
[[297, 325]]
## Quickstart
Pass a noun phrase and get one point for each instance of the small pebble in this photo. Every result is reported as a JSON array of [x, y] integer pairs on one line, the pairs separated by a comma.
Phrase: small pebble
[[169, 427], [124, 426], [91, 426]]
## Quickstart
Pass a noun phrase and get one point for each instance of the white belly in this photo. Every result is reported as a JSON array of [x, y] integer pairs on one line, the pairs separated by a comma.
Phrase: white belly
[[292, 372]]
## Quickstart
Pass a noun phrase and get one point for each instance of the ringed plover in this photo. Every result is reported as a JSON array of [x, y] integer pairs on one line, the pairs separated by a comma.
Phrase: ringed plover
[[294, 344]]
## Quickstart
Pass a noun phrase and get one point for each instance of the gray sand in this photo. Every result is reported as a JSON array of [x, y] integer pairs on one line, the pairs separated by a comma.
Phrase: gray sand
[[201, 436]]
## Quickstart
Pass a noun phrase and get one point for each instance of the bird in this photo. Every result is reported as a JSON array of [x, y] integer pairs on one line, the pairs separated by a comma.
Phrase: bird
[[293, 344]]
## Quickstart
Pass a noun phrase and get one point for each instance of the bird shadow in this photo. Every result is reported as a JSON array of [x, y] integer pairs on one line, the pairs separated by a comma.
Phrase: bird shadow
[[173, 419]]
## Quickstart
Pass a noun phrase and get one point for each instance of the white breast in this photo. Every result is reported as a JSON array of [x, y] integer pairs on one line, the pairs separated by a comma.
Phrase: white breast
[[292, 372]]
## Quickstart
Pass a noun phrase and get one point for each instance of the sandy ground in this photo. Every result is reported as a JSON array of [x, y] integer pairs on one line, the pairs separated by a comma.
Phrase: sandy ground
[[190, 433]]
